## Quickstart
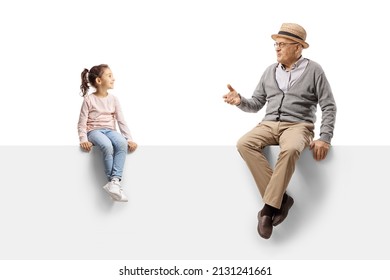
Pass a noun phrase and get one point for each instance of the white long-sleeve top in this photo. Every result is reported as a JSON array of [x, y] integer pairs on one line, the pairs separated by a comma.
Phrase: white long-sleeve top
[[101, 112]]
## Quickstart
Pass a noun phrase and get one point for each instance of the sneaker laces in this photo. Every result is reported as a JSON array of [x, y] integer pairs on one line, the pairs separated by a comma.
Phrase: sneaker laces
[[116, 182]]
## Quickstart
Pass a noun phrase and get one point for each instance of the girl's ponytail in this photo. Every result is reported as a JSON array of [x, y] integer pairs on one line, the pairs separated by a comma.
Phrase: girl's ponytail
[[84, 82]]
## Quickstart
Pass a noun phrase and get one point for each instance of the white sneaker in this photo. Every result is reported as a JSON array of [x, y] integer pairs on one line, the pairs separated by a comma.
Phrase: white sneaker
[[113, 188], [123, 196]]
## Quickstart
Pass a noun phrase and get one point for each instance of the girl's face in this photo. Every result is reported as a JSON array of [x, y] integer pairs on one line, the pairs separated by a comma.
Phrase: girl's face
[[107, 80]]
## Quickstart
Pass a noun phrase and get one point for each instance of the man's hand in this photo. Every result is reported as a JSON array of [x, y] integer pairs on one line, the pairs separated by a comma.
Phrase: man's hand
[[132, 146], [320, 149], [232, 96], [87, 146]]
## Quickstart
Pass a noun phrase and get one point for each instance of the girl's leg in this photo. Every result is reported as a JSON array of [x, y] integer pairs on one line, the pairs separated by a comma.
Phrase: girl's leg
[[119, 144], [100, 140]]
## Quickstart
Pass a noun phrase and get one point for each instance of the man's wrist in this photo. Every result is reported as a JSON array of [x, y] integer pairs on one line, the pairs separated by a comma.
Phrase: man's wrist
[[239, 96], [325, 138]]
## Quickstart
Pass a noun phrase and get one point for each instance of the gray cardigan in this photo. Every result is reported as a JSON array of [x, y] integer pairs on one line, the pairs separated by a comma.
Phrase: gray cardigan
[[299, 103]]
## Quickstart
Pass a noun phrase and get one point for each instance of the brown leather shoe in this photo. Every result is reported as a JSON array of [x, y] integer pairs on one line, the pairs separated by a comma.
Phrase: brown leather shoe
[[279, 217], [264, 228]]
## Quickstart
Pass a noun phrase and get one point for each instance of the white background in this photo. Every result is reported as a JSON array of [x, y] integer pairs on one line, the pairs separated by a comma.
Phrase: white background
[[173, 59]]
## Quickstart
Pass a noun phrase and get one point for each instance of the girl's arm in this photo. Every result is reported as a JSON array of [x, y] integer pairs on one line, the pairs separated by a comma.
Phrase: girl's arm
[[132, 146], [82, 126], [121, 121]]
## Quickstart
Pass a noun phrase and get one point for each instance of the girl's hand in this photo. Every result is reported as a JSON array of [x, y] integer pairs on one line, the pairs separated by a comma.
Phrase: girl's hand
[[132, 146], [87, 146]]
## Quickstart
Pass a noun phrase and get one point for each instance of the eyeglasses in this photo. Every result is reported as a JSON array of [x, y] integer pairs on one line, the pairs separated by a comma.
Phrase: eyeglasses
[[282, 45]]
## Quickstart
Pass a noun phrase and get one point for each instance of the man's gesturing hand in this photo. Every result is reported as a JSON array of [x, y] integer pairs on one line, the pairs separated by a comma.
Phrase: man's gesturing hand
[[232, 96]]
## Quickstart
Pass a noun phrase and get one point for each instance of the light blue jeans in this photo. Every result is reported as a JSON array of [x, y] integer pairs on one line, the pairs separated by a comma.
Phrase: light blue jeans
[[114, 149]]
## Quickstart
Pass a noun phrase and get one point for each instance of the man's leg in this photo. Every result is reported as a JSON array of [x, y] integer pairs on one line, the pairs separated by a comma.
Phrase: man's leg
[[294, 138], [250, 146]]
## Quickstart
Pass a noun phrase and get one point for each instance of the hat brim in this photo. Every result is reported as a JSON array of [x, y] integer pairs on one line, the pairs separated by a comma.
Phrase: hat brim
[[303, 43]]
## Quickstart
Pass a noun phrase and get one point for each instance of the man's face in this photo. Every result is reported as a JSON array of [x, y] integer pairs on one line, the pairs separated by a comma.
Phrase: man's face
[[287, 51]]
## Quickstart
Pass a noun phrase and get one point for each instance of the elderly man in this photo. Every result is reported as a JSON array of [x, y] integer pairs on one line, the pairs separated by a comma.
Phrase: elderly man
[[292, 88]]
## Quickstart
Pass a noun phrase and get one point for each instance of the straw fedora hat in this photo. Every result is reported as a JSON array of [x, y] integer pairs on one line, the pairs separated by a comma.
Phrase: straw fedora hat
[[293, 32]]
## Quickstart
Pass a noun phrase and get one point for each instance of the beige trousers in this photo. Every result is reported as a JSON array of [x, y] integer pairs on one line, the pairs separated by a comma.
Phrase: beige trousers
[[292, 138]]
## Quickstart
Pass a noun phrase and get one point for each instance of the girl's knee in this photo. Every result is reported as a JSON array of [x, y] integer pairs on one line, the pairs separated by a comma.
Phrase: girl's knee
[[107, 149], [121, 145]]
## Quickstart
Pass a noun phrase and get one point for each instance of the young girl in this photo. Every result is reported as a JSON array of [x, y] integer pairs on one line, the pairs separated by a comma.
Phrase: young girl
[[97, 126]]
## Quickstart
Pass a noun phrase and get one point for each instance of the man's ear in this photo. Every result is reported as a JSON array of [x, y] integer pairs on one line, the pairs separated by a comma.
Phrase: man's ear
[[299, 50]]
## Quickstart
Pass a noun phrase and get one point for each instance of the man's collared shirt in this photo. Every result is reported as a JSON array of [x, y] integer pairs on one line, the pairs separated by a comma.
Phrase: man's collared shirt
[[286, 79]]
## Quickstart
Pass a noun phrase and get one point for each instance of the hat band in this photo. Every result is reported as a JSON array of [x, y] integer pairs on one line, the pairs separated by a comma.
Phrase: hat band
[[290, 34]]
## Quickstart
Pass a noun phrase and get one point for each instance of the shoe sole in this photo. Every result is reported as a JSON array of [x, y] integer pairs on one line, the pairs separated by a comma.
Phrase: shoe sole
[[121, 200], [118, 200], [113, 196]]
